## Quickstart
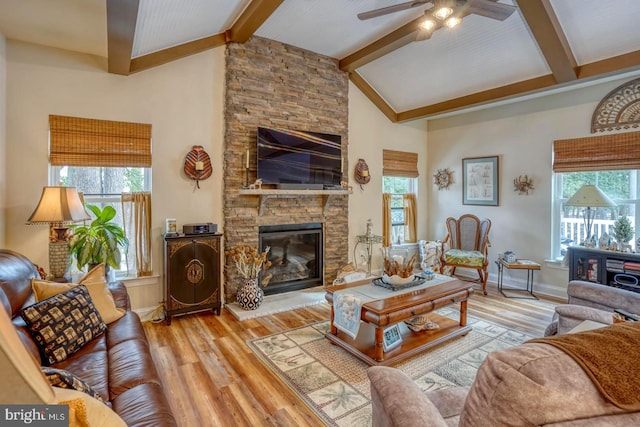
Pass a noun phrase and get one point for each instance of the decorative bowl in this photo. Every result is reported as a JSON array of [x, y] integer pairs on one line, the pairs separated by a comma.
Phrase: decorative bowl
[[421, 323], [397, 280]]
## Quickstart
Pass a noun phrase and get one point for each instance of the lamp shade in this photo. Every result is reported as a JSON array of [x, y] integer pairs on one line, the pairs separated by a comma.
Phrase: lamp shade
[[590, 196], [58, 205]]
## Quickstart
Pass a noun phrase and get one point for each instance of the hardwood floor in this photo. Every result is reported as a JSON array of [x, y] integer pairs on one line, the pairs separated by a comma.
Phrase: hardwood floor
[[212, 378]]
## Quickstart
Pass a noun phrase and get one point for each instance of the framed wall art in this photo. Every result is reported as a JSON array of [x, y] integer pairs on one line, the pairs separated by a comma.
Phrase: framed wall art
[[480, 181]]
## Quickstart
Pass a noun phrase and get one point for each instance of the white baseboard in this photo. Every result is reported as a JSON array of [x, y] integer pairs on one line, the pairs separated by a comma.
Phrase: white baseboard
[[150, 314]]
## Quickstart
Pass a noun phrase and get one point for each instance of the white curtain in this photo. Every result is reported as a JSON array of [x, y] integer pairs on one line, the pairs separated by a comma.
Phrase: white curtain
[[136, 212]]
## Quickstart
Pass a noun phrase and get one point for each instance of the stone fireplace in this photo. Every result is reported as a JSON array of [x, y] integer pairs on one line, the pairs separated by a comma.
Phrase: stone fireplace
[[276, 85], [296, 256]]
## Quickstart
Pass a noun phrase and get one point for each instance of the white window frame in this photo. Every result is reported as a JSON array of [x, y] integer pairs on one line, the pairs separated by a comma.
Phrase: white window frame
[[557, 203], [413, 188], [93, 199]]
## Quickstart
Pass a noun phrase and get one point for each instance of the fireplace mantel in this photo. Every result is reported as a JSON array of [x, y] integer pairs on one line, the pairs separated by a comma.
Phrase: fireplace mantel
[[267, 194]]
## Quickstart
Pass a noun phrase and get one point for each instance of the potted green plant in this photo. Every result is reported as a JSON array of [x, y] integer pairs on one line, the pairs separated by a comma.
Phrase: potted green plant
[[100, 241], [622, 230]]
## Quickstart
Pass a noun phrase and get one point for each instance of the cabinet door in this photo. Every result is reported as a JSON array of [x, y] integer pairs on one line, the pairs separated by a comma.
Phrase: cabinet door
[[194, 271]]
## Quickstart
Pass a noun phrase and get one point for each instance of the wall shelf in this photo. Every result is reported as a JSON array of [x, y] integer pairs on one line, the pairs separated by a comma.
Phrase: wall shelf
[[267, 194]]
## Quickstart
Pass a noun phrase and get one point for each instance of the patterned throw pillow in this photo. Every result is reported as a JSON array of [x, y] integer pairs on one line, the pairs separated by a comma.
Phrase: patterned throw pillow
[[64, 323], [65, 379]]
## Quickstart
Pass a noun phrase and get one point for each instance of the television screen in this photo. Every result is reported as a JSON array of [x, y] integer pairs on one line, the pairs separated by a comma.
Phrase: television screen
[[296, 157]]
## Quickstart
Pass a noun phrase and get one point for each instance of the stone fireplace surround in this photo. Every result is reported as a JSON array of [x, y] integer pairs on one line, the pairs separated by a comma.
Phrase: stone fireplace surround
[[268, 83]]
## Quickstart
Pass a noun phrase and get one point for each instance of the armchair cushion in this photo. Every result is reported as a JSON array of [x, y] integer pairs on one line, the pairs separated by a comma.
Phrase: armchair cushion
[[397, 401], [461, 257]]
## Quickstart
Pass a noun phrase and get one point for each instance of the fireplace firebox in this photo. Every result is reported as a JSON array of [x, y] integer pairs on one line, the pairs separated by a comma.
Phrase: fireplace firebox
[[296, 256]]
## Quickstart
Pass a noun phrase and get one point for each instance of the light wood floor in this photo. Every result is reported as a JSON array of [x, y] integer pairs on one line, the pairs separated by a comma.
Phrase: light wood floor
[[212, 378]]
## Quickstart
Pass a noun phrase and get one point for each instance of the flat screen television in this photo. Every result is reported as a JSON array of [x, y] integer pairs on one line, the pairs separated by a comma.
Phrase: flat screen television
[[297, 159]]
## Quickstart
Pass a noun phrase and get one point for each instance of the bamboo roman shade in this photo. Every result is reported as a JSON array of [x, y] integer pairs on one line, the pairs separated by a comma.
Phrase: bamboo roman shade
[[75, 141], [619, 151], [399, 163]]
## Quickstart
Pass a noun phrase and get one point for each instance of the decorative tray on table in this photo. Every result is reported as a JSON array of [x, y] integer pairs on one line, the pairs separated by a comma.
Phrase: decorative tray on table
[[396, 283]]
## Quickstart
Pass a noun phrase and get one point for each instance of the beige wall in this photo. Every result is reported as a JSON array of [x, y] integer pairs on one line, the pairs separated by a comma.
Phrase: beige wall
[[522, 135], [3, 143], [182, 100], [369, 133]]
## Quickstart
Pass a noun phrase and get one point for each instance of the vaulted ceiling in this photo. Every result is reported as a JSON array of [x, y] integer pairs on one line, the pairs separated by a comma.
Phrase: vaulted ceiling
[[545, 45]]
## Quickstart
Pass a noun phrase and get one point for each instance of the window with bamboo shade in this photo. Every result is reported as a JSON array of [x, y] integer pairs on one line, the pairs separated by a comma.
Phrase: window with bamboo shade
[[620, 151], [400, 163], [76, 141]]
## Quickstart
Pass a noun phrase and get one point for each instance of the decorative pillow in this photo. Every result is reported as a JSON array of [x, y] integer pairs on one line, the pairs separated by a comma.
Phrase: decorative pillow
[[85, 411], [97, 286], [65, 379], [64, 323]]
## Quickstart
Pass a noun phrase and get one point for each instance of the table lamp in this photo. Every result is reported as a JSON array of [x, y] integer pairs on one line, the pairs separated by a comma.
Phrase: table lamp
[[57, 207], [590, 196]]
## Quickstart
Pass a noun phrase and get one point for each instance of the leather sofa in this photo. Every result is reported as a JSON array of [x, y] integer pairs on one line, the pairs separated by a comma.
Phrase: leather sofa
[[117, 364], [533, 384]]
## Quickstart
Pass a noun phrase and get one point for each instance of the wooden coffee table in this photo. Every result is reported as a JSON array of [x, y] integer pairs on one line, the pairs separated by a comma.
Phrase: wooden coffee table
[[395, 309]]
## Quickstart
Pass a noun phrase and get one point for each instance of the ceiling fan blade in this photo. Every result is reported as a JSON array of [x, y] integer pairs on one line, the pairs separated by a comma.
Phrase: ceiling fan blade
[[391, 9], [490, 9]]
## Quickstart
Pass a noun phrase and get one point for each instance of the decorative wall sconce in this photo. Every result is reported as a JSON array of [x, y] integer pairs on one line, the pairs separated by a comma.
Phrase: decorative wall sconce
[[523, 185], [362, 175], [197, 164]]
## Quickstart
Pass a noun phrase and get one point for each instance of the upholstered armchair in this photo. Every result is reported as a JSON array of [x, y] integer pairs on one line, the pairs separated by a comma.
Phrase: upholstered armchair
[[591, 301], [466, 245]]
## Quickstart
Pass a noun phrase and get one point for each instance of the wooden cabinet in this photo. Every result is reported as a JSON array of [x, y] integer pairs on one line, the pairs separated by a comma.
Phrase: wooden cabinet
[[192, 274], [618, 269]]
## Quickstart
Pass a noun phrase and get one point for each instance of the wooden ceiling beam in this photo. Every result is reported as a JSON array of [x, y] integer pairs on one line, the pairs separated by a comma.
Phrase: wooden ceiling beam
[[479, 98], [548, 34], [626, 62], [122, 16], [176, 52], [392, 41], [251, 19], [373, 96]]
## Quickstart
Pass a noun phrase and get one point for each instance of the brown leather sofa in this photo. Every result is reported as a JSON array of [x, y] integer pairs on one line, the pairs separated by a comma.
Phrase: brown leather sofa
[[117, 364]]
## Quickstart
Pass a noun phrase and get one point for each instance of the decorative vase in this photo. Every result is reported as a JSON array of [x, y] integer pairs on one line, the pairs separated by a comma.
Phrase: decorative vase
[[250, 295]]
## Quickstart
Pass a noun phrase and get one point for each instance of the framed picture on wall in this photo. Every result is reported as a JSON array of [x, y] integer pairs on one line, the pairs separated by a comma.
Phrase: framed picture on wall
[[480, 181]]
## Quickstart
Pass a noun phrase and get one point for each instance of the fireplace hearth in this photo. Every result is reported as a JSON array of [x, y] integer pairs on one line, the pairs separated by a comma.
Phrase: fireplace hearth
[[296, 256]]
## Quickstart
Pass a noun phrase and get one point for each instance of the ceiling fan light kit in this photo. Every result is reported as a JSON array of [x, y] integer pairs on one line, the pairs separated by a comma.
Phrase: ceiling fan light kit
[[447, 13]]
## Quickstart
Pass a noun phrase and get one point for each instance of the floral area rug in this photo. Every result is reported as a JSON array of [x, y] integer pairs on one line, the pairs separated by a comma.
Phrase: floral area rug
[[335, 384]]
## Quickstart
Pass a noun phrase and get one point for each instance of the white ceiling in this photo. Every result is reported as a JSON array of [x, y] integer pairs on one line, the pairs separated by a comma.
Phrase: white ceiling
[[478, 55]]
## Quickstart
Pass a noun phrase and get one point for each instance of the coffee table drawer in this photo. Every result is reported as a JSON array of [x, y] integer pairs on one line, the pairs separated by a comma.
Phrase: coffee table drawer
[[416, 310]]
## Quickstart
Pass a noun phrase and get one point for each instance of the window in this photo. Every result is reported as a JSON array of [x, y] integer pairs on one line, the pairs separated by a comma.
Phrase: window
[[397, 187], [104, 159], [620, 185], [609, 161]]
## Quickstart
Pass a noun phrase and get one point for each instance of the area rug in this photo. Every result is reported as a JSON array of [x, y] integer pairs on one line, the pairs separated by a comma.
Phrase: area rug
[[335, 384]]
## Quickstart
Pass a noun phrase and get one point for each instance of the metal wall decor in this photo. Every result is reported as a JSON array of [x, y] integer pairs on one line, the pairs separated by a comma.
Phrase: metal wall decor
[[620, 109], [523, 184], [443, 178]]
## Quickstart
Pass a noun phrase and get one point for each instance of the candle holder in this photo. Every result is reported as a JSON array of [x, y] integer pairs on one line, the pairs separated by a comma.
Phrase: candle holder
[[246, 177]]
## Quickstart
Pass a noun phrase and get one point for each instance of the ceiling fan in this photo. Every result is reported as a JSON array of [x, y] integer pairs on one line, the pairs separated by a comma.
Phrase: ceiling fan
[[445, 12]]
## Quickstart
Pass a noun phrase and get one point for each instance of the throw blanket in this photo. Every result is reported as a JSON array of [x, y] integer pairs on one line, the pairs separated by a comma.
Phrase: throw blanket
[[346, 314], [609, 357]]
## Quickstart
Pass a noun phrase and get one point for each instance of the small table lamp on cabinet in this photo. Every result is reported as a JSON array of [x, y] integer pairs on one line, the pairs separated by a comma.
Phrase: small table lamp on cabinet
[[58, 206], [590, 196]]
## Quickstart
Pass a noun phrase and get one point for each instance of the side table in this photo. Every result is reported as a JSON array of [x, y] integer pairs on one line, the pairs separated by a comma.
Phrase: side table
[[369, 240], [520, 264]]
